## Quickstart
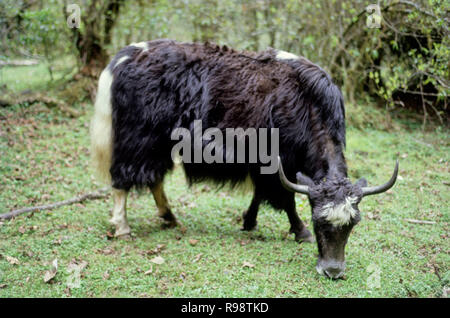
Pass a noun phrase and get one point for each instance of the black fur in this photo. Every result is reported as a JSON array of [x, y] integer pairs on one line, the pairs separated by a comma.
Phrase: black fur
[[172, 84]]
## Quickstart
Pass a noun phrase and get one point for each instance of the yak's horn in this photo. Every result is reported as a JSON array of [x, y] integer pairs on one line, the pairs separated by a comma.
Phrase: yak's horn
[[300, 188], [384, 187]]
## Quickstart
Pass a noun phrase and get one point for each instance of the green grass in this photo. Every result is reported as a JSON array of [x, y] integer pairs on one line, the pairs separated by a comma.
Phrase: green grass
[[44, 158], [33, 78]]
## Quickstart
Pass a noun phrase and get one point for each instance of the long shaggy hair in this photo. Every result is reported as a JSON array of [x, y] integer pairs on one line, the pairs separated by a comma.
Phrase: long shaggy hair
[[161, 85]]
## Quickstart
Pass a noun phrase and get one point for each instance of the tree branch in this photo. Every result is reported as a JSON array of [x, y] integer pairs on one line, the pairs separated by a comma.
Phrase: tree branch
[[87, 196], [420, 221]]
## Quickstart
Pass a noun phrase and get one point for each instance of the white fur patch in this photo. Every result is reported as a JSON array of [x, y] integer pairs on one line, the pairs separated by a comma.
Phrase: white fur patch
[[101, 128], [142, 45], [340, 214], [121, 60], [283, 55]]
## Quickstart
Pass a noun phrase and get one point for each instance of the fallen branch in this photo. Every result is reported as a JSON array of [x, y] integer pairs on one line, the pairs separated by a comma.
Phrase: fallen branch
[[101, 193], [19, 63], [419, 221]]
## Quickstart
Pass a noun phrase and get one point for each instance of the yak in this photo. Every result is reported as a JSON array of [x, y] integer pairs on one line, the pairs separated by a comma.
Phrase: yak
[[149, 89]]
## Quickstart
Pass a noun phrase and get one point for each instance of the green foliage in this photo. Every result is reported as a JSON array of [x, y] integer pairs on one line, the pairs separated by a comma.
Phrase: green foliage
[[404, 63], [40, 29], [409, 54], [41, 32]]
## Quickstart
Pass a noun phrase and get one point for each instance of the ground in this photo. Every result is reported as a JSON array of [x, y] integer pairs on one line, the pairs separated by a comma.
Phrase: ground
[[44, 158]]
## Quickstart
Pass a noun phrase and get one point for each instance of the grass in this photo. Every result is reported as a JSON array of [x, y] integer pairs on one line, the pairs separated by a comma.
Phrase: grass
[[44, 158]]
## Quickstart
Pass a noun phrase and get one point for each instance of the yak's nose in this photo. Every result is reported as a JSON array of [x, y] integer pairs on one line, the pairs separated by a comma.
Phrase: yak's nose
[[331, 268], [334, 271]]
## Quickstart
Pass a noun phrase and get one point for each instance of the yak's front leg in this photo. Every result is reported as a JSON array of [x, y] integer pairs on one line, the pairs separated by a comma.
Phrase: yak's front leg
[[302, 234], [164, 211], [250, 215], [119, 214]]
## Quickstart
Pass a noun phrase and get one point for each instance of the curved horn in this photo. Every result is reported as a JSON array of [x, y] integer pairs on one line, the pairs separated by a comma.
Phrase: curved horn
[[384, 187], [289, 185]]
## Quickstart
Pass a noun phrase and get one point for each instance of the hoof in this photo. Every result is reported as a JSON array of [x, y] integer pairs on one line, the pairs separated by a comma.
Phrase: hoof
[[169, 224], [122, 231], [304, 236], [125, 237], [248, 225], [170, 221]]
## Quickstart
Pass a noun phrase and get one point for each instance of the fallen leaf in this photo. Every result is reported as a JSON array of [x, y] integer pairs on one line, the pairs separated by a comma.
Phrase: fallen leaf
[[149, 271], [22, 229], [3, 286], [156, 250], [183, 229], [106, 275], [107, 251], [373, 216], [67, 292], [57, 242], [183, 275], [243, 243], [12, 260], [75, 264], [49, 275], [248, 264], [157, 260], [159, 248], [193, 242], [197, 258]]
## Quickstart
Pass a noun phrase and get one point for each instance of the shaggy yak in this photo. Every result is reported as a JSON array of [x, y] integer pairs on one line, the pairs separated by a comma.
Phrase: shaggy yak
[[150, 89]]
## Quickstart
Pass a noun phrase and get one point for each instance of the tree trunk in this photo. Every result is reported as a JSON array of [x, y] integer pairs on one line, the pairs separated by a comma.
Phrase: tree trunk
[[91, 43]]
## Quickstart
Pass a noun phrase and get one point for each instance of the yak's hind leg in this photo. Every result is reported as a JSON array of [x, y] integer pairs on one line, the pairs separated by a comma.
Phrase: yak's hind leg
[[119, 213], [164, 211]]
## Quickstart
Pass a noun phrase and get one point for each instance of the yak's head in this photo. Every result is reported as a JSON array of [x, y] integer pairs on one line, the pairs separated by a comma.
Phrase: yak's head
[[334, 204]]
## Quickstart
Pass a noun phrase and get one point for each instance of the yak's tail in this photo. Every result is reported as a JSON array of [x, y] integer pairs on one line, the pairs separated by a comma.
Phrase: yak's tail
[[101, 128]]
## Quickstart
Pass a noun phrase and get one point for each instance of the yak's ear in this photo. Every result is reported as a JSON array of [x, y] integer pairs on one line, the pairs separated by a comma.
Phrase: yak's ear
[[361, 183], [305, 180]]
